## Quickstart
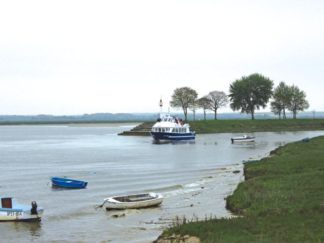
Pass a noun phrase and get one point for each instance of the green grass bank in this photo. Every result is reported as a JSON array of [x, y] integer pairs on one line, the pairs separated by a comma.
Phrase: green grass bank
[[248, 126], [281, 200], [239, 126]]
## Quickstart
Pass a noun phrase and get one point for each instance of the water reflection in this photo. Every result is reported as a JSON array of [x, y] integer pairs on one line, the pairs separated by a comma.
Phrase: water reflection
[[278, 144], [248, 145], [32, 228], [173, 142]]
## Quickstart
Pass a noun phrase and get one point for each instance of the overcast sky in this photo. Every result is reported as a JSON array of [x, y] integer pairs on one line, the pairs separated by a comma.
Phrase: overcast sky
[[75, 57]]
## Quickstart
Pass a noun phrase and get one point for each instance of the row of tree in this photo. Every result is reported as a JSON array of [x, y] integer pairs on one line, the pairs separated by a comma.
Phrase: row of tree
[[247, 94], [288, 98]]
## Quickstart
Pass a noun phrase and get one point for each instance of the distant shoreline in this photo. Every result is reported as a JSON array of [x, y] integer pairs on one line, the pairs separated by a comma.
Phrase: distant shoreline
[[76, 123], [239, 126], [200, 127], [140, 117]]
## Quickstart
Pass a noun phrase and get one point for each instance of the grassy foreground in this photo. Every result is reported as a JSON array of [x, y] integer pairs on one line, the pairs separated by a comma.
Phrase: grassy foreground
[[281, 200]]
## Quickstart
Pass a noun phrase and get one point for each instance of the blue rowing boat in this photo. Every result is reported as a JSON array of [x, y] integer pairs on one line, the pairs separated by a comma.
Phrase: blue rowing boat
[[68, 183]]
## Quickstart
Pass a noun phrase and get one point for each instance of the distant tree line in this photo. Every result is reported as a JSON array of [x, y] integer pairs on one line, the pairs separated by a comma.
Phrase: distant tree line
[[247, 94]]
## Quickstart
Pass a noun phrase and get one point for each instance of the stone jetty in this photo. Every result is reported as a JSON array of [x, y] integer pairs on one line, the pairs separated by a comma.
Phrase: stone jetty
[[142, 129]]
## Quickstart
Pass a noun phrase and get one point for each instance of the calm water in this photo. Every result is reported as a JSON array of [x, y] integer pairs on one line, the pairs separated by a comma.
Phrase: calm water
[[112, 164]]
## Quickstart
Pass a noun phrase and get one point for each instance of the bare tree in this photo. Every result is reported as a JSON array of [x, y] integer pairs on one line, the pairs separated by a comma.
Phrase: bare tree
[[204, 103], [183, 97], [217, 99], [276, 108], [193, 107]]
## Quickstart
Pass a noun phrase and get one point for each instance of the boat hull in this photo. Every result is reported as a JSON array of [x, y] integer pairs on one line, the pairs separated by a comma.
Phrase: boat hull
[[243, 139], [7, 215], [133, 201], [173, 136], [68, 183]]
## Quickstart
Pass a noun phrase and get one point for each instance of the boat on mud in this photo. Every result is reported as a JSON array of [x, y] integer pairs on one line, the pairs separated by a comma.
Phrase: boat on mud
[[135, 201], [11, 210], [68, 183]]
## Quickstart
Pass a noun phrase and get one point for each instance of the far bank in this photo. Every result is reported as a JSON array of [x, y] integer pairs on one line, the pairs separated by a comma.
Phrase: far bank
[[240, 126]]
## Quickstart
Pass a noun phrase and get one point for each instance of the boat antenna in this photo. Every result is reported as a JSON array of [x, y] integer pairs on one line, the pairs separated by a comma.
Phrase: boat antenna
[[161, 105]]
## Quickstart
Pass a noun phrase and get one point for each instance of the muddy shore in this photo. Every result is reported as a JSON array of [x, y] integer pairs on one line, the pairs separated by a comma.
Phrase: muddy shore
[[200, 200]]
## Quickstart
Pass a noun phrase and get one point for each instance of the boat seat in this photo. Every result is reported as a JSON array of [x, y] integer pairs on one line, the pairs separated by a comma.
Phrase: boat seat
[[140, 199], [133, 199]]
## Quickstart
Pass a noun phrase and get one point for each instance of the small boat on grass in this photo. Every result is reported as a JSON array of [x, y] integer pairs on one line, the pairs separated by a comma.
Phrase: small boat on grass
[[134, 201], [68, 183], [11, 210], [243, 139]]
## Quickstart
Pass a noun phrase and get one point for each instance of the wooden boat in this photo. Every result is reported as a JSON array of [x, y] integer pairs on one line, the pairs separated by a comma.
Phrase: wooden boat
[[243, 139], [11, 210], [68, 183], [133, 201]]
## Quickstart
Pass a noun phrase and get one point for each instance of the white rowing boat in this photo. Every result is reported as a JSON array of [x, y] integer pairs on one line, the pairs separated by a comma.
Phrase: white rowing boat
[[243, 139], [143, 200]]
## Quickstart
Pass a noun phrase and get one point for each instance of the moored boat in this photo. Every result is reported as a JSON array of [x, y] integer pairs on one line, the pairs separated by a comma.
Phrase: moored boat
[[68, 183], [11, 210], [243, 139], [143, 200], [171, 128]]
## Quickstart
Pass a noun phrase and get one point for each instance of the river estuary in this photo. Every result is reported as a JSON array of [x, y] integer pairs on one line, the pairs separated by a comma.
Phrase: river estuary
[[193, 177]]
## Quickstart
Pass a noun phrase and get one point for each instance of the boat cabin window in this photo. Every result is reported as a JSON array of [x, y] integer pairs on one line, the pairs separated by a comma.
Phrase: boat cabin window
[[6, 202]]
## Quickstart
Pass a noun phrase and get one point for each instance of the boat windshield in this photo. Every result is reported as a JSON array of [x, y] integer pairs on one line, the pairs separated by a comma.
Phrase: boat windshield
[[168, 119]]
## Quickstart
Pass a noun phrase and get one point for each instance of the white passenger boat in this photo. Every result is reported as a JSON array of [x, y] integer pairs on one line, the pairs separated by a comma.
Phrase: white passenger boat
[[171, 128], [143, 200], [243, 139], [11, 210]]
